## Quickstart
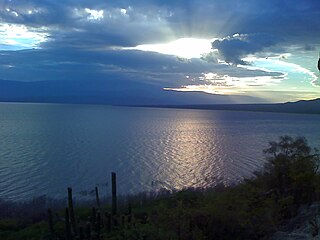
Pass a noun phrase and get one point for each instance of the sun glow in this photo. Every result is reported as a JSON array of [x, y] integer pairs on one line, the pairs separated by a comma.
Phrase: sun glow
[[183, 47]]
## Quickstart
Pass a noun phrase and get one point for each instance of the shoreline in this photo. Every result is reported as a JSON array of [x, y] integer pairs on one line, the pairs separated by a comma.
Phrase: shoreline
[[285, 108]]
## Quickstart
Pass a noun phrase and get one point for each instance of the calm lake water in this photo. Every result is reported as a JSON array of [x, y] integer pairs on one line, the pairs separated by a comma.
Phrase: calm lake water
[[44, 148]]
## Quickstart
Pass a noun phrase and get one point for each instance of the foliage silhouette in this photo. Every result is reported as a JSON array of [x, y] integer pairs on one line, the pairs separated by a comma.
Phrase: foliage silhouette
[[292, 169]]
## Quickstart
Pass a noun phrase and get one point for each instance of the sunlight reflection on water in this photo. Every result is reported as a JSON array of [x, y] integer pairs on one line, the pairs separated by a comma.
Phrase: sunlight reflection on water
[[44, 148]]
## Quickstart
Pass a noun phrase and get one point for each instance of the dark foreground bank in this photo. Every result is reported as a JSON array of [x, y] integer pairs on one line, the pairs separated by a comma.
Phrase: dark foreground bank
[[254, 209]]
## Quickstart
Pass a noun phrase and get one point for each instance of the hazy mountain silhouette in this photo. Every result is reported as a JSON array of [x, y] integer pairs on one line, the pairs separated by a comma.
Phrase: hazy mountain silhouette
[[126, 92], [111, 91], [303, 106]]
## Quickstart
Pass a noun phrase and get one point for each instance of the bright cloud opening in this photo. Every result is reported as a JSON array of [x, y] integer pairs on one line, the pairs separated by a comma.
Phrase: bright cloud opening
[[12, 12], [183, 47], [290, 77], [224, 84], [94, 14], [278, 64], [123, 11], [15, 36]]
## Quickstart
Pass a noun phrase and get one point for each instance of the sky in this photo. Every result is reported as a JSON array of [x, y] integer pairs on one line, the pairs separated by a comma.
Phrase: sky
[[227, 50]]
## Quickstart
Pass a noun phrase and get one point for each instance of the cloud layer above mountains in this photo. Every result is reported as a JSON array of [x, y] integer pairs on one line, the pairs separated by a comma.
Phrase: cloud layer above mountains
[[92, 40]]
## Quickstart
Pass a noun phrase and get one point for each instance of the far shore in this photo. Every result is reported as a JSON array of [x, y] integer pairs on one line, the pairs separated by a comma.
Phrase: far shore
[[302, 107]]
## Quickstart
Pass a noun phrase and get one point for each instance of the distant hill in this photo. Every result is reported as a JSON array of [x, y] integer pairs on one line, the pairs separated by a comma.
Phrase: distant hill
[[129, 93], [304, 106], [119, 91]]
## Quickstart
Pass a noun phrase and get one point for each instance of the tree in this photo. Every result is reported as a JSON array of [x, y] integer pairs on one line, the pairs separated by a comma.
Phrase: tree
[[292, 169]]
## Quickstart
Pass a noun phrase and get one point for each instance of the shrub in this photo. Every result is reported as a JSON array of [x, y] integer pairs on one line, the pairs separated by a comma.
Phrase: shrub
[[292, 169]]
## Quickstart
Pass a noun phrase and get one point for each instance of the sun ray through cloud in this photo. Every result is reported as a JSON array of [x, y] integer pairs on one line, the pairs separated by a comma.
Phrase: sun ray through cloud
[[171, 45]]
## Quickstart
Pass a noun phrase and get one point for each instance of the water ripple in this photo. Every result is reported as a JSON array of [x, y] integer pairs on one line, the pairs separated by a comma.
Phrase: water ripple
[[46, 148]]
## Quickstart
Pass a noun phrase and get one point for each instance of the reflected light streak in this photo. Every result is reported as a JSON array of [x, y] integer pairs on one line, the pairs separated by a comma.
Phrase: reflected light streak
[[193, 165]]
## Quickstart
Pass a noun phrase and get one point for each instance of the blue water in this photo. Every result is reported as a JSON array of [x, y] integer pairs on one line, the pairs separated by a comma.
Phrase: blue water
[[44, 148]]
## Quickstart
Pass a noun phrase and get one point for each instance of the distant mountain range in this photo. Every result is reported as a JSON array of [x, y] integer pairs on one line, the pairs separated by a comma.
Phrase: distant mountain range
[[303, 106], [119, 91], [129, 93]]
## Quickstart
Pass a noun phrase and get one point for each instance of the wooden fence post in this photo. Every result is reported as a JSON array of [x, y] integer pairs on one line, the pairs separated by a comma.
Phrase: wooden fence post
[[71, 209], [114, 193], [50, 221], [88, 231], [81, 234], [97, 198], [108, 221], [68, 228]]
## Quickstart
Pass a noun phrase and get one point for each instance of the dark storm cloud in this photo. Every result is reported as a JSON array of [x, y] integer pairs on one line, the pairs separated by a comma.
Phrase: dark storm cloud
[[83, 46], [163, 20], [68, 24], [232, 49], [69, 21], [308, 47], [75, 64]]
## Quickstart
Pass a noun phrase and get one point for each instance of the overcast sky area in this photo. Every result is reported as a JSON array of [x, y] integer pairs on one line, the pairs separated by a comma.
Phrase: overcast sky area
[[248, 51]]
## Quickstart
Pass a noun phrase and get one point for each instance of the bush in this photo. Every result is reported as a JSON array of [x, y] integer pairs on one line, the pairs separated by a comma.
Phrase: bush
[[292, 169]]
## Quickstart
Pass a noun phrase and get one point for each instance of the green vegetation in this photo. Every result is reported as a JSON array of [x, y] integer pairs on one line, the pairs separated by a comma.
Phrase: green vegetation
[[253, 209]]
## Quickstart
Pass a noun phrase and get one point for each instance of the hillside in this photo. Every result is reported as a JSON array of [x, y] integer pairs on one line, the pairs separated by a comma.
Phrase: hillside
[[115, 91], [305, 106], [126, 93]]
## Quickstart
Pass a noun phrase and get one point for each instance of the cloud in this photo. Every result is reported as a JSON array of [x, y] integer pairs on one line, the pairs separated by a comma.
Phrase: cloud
[[137, 22], [233, 48], [113, 23], [100, 24], [82, 40], [74, 63], [308, 47], [130, 72]]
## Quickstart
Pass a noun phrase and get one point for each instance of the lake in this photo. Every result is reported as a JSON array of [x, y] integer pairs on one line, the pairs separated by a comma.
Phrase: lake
[[44, 148]]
